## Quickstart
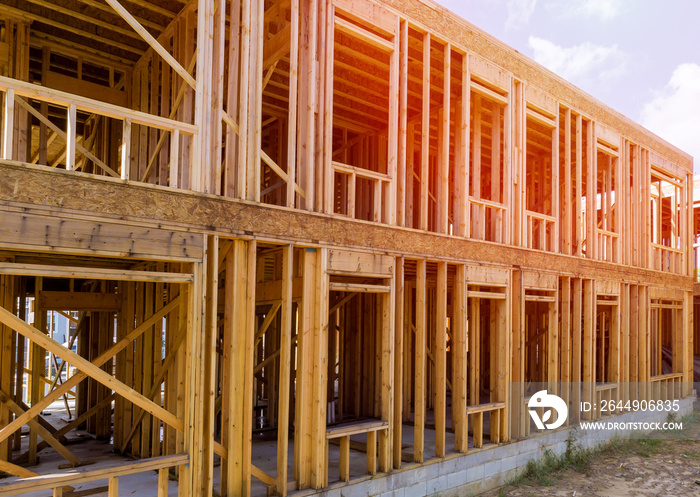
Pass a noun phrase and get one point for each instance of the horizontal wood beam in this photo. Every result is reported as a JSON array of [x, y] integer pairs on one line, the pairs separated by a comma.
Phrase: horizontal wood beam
[[336, 286], [96, 273], [109, 238], [79, 301], [47, 482], [36, 186]]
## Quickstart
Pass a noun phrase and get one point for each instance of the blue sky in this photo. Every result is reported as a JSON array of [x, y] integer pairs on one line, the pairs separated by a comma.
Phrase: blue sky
[[640, 57]]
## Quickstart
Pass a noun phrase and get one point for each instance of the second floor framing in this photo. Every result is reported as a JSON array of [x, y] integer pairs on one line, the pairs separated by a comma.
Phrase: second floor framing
[[353, 109]]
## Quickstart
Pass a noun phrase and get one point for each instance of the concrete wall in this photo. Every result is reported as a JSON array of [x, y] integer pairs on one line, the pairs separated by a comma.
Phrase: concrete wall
[[483, 469]]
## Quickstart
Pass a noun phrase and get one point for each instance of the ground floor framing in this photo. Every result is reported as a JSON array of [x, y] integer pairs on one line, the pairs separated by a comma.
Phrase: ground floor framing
[[253, 347]]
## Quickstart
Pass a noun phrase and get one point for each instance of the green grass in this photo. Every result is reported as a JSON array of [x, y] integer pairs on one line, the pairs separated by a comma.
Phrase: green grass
[[546, 470]]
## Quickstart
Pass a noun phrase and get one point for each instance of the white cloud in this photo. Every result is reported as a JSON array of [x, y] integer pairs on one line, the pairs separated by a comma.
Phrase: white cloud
[[674, 113], [519, 13], [586, 65], [603, 10]]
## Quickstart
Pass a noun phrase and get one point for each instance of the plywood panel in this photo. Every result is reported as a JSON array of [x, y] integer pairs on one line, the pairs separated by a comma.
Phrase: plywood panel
[[489, 72], [34, 232], [344, 261], [487, 275], [666, 293], [541, 101], [607, 287], [540, 280]]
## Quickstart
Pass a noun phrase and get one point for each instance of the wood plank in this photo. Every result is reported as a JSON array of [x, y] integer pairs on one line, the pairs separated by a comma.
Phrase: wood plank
[[425, 135], [367, 264], [80, 301], [491, 406], [25, 231], [355, 427], [400, 359], [440, 345], [97, 273], [105, 109], [459, 360], [35, 482], [113, 487], [386, 317], [337, 286], [284, 369], [8, 125], [419, 363], [85, 88], [345, 458], [372, 452]]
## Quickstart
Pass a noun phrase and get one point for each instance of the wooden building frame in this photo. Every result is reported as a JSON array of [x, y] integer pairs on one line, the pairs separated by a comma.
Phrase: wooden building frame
[[343, 225]]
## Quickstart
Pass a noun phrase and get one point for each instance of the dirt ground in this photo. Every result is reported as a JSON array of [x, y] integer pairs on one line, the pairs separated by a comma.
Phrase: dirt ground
[[654, 466]]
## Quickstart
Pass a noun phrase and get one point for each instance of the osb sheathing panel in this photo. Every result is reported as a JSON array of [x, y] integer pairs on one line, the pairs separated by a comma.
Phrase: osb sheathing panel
[[666, 293], [487, 275], [538, 280], [77, 194], [349, 262], [24, 231], [456, 30], [607, 287]]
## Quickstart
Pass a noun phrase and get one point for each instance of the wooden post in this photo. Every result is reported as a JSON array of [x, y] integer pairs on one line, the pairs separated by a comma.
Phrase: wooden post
[[126, 148], [312, 365], [591, 182], [553, 346], [113, 487], [7, 371], [292, 115], [38, 365], [402, 173], [567, 197], [576, 349], [398, 388], [643, 337], [237, 402], [461, 180], [8, 125], [685, 344], [477, 227], [589, 323], [625, 312], [459, 359], [397, 109], [565, 337], [443, 172], [440, 358], [71, 137], [425, 135], [517, 301], [578, 212], [419, 363], [284, 369]]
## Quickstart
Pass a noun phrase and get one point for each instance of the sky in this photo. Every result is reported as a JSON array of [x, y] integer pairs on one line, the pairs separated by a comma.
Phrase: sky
[[640, 57]]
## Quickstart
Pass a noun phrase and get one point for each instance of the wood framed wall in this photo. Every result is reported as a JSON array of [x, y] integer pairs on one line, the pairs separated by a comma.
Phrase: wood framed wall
[[342, 212]]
